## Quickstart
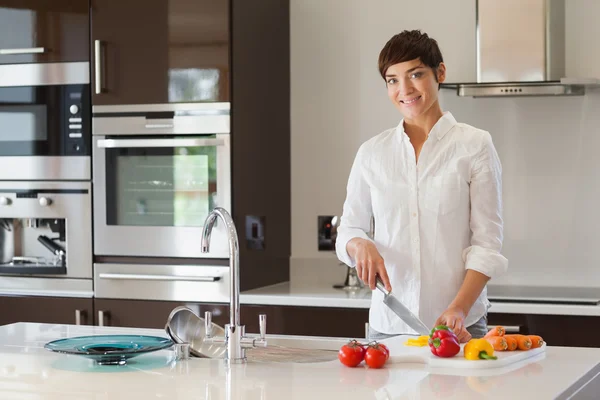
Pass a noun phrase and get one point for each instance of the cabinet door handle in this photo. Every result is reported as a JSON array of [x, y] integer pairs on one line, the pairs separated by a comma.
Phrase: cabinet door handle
[[98, 66], [142, 277], [507, 328], [29, 50], [168, 125], [167, 143], [101, 317], [77, 317]]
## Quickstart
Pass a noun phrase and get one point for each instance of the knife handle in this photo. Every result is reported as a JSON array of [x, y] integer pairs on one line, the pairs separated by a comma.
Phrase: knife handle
[[379, 284]]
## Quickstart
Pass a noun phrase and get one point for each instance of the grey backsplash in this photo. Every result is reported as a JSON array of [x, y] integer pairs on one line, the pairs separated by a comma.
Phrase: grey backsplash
[[549, 148]]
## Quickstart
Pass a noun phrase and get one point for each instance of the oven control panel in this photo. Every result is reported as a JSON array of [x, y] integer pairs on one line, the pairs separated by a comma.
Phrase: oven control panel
[[77, 120]]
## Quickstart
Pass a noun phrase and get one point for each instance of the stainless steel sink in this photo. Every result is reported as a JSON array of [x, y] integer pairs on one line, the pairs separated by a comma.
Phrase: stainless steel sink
[[184, 326], [276, 354], [296, 349]]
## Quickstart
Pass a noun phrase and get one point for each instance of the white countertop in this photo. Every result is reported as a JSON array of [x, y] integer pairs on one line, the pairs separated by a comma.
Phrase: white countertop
[[307, 294], [324, 295], [28, 371]]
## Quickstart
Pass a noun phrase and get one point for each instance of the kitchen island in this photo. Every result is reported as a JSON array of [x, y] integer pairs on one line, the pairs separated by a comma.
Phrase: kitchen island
[[28, 371]]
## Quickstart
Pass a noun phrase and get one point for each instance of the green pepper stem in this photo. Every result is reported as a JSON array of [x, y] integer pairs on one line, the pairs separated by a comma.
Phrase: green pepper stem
[[438, 328], [484, 355]]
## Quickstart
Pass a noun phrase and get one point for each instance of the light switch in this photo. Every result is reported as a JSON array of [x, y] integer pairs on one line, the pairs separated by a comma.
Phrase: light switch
[[327, 232], [255, 232]]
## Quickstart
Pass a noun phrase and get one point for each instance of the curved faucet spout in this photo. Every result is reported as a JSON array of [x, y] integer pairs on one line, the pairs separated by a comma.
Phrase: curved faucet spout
[[234, 256]]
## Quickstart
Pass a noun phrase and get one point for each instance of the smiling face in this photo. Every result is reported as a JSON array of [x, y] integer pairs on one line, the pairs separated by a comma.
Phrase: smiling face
[[413, 88]]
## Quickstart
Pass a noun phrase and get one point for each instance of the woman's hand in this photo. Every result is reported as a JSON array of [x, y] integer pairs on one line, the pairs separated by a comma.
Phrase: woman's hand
[[369, 262], [454, 318]]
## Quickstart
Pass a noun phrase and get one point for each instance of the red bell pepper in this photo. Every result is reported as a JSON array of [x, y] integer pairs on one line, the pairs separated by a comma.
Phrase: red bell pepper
[[444, 343]]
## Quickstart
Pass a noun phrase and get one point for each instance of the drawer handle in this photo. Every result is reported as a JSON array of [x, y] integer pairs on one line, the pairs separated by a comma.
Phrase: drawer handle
[[143, 277], [507, 328], [101, 315], [159, 126], [30, 50]]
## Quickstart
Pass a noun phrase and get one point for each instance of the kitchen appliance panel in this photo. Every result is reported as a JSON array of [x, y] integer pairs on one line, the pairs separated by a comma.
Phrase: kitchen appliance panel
[[45, 122], [157, 174], [130, 221], [141, 126], [162, 282], [47, 74], [16, 168], [68, 201]]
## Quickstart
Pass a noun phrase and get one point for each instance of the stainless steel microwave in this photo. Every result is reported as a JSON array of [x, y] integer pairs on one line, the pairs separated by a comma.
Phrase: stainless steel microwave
[[45, 121]]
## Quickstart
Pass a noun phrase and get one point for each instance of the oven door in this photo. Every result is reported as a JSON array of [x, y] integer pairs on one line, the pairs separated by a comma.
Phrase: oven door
[[152, 194], [45, 126]]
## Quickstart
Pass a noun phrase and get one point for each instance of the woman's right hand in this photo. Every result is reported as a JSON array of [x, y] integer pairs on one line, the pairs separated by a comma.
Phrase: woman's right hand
[[369, 262]]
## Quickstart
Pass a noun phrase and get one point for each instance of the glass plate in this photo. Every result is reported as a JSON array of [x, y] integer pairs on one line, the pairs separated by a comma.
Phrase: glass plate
[[109, 349]]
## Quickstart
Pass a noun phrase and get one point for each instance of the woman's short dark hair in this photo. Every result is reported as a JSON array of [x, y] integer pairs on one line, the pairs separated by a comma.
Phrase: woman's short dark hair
[[407, 46]]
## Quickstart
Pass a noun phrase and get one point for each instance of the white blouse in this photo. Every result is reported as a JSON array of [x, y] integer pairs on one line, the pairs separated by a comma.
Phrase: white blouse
[[433, 219]]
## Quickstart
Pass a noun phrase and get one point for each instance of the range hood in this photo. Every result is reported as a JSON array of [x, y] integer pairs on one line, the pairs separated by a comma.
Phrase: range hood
[[521, 51]]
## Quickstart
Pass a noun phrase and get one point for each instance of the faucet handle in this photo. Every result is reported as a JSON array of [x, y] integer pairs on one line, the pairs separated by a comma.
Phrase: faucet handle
[[262, 324], [208, 324]]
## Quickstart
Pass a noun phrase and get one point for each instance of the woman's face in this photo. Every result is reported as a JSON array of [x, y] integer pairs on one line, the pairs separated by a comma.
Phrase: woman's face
[[412, 87]]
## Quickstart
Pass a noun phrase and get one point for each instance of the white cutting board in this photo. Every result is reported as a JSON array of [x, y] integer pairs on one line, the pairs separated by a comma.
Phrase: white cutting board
[[400, 353]]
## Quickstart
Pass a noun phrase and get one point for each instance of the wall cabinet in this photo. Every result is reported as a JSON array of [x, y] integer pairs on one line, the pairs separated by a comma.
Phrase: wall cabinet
[[50, 310], [44, 31], [159, 51]]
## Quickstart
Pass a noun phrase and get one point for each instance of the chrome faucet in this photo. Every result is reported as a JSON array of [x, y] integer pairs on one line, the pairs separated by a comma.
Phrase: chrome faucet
[[235, 339]]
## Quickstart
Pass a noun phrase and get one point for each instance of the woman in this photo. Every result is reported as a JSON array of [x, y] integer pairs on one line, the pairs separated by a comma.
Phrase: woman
[[433, 187]]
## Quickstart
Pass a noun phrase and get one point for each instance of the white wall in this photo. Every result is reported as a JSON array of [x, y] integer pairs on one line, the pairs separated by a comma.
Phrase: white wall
[[339, 100]]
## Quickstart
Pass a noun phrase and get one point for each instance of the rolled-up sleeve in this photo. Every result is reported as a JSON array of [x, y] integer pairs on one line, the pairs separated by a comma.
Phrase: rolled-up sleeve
[[486, 213], [356, 215]]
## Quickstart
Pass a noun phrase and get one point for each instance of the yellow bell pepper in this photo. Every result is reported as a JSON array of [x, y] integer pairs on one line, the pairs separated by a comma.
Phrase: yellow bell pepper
[[479, 349], [419, 342]]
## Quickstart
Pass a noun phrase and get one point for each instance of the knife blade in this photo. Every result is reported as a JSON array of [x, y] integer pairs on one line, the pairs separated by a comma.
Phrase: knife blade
[[401, 310]]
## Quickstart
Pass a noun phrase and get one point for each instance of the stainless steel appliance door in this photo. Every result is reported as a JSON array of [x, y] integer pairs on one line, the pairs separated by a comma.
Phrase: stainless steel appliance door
[[45, 168], [45, 122], [162, 282], [152, 194], [56, 200]]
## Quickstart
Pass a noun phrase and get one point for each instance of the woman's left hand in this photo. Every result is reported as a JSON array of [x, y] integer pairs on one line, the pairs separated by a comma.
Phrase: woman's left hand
[[454, 318]]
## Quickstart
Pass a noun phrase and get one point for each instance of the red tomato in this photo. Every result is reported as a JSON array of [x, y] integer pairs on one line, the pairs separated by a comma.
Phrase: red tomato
[[387, 351], [376, 356], [351, 354]]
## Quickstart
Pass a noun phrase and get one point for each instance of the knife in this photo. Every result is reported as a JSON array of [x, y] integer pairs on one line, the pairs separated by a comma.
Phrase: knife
[[401, 311]]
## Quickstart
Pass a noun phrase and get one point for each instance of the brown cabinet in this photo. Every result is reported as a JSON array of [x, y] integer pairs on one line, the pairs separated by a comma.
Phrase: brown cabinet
[[150, 314], [557, 330], [283, 320], [51, 310], [159, 51], [308, 321], [44, 31]]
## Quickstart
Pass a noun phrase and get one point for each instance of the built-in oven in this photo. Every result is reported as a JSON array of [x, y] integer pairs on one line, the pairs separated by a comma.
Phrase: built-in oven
[[45, 121], [158, 171]]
